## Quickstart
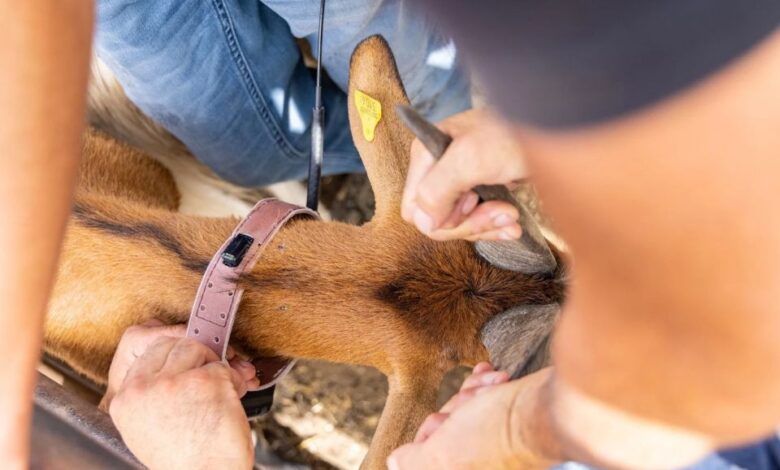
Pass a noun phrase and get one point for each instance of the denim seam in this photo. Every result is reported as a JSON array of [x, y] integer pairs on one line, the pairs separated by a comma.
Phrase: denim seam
[[250, 84]]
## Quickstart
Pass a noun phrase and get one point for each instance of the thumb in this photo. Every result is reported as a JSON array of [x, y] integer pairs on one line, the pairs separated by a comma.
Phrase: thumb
[[440, 188], [409, 457], [147, 333]]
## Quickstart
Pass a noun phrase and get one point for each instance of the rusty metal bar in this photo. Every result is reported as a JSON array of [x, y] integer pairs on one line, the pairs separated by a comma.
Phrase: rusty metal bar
[[68, 433]]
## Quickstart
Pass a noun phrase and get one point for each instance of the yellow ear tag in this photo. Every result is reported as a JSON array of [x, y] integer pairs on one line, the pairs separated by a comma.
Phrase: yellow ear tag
[[370, 111]]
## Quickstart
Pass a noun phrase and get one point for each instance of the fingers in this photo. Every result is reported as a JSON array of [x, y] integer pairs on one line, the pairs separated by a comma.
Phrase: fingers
[[459, 399], [503, 234], [220, 371], [483, 376], [463, 207], [483, 151], [466, 394], [430, 425], [492, 220], [169, 357], [152, 360], [421, 160], [483, 379], [247, 371], [187, 354], [409, 456], [446, 187], [134, 342], [140, 337], [438, 189]]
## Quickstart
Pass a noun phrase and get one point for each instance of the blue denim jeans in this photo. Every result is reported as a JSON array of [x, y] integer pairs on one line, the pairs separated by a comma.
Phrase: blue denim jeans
[[227, 78], [764, 455]]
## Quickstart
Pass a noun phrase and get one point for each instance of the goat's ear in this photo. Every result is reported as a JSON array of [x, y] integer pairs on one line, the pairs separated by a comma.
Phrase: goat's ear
[[518, 339], [375, 89]]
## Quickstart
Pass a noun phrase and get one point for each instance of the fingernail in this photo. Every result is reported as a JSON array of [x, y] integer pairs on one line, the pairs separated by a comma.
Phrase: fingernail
[[490, 378], [502, 220], [500, 378], [423, 221], [392, 464], [469, 203], [246, 365], [504, 235]]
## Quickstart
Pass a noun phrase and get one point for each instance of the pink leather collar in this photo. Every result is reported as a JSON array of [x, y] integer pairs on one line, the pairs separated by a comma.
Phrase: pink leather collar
[[219, 296]]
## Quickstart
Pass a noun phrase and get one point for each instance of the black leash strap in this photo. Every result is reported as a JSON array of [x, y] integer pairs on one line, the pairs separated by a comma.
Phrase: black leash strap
[[317, 131]]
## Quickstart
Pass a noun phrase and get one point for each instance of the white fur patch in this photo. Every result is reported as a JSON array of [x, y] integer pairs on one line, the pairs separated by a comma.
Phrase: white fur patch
[[203, 193]]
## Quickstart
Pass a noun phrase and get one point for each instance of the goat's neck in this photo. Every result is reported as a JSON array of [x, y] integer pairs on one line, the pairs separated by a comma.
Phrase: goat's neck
[[314, 282]]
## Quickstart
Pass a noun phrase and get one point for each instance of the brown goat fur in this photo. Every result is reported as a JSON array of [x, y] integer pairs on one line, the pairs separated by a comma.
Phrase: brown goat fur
[[381, 294]]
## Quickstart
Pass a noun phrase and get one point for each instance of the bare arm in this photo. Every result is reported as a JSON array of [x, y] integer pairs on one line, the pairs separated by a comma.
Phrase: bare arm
[[671, 215], [44, 58]]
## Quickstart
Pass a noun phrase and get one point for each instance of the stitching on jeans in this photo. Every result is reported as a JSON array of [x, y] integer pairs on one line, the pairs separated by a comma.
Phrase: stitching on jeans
[[240, 62]]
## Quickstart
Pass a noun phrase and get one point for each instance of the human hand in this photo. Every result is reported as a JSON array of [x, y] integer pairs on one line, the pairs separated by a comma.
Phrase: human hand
[[482, 378], [179, 408], [486, 425], [137, 339], [438, 198]]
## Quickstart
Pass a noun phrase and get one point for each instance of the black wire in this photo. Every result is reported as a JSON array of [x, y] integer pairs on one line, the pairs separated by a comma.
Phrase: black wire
[[320, 29], [318, 120]]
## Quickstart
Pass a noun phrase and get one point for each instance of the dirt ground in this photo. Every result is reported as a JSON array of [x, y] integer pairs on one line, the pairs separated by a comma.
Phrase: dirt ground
[[325, 414]]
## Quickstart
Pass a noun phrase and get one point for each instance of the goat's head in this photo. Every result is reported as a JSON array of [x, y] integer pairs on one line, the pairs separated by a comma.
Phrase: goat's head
[[504, 294]]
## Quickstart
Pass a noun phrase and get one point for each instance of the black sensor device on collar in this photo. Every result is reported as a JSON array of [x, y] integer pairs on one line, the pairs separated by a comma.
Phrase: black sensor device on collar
[[236, 250]]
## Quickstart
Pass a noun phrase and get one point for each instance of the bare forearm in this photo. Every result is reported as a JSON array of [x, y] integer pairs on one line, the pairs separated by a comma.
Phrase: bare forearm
[[552, 422], [44, 58], [671, 217]]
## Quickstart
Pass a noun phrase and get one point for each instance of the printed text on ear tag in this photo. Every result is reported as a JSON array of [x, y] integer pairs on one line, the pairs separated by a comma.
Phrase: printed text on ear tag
[[370, 111]]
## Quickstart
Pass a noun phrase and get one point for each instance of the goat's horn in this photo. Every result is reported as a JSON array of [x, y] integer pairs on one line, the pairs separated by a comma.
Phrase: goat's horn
[[518, 340], [433, 138], [530, 254]]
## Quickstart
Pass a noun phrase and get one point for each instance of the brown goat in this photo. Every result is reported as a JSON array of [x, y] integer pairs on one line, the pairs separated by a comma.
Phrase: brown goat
[[381, 294]]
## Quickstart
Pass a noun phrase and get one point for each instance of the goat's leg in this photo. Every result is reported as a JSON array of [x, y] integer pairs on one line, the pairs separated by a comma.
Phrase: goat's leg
[[409, 401]]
